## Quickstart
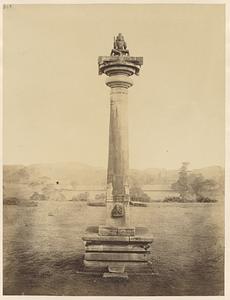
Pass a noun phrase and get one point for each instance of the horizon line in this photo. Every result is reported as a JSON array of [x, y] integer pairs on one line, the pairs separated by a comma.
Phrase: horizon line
[[105, 167]]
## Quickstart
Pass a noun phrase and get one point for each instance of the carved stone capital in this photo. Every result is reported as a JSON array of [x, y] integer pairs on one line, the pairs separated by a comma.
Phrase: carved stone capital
[[117, 65], [119, 81]]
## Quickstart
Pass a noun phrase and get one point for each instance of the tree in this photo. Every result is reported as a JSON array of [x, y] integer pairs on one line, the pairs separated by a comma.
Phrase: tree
[[202, 187], [137, 194], [182, 185], [194, 186]]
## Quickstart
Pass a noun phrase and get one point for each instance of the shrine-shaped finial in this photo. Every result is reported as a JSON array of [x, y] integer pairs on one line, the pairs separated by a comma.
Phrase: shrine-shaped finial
[[119, 46]]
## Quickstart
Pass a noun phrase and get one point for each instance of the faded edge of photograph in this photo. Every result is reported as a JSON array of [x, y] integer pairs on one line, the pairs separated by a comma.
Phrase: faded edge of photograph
[[113, 149]]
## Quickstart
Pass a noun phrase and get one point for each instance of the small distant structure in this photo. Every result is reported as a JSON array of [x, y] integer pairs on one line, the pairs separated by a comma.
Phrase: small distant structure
[[100, 200], [80, 197], [11, 201], [38, 197], [56, 196], [138, 203]]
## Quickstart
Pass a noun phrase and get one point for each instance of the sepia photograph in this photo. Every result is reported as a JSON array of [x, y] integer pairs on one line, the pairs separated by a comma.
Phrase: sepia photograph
[[113, 149]]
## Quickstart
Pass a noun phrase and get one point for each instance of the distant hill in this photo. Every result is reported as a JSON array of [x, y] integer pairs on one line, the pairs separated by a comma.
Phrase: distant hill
[[62, 172], [214, 172], [80, 174]]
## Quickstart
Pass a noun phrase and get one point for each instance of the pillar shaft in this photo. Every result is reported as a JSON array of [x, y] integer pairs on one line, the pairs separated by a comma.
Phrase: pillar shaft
[[118, 162], [118, 67]]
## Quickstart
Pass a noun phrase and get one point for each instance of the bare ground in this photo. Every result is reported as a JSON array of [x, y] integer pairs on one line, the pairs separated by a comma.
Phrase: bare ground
[[43, 250]]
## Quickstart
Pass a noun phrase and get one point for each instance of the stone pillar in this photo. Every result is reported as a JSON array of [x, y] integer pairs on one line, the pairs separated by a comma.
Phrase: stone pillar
[[118, 162], [114, 247], [119, 67]]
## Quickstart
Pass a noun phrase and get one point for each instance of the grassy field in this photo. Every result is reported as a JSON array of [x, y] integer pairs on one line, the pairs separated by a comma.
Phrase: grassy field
[[43, 250]]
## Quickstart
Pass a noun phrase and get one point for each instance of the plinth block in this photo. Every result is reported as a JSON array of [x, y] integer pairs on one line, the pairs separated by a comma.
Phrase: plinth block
[[103, 266], [113, 231], [115, 275], [116, 268], [115, 248], [107, 230], [126, 231], [100, 238], [117, 238], [145, 239], [112, 256]]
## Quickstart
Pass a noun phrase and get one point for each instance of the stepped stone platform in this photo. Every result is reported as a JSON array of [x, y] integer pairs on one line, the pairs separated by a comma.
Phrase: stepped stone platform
[[116, 251]]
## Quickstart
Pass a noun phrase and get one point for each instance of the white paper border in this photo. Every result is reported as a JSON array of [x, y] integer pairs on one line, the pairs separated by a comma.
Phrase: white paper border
[[227, 149]]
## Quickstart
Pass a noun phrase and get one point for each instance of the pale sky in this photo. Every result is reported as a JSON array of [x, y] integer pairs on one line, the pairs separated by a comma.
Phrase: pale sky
[[56, 106]]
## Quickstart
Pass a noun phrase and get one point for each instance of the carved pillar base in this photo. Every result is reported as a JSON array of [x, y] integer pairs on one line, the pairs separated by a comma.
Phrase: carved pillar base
[[117, 253]]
